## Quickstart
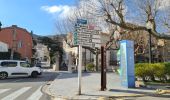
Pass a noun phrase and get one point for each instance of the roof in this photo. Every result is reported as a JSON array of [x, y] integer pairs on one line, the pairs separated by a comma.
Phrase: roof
[[15, 26], [13, 60]]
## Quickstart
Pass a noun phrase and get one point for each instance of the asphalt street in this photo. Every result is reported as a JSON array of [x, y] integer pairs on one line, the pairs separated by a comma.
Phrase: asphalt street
[[25, 88]]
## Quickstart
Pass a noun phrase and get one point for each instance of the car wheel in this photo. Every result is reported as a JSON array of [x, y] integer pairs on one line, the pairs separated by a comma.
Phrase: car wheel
[[34, 74], [3, 75]]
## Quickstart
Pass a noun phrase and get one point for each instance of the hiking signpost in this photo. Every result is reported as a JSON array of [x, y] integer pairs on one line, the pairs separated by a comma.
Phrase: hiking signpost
[[85, 35]]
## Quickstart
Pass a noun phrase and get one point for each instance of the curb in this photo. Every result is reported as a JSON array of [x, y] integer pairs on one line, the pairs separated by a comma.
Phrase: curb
[[46, 88]]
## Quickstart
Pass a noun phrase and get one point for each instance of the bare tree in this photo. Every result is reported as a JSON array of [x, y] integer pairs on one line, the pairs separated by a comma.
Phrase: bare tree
[[150, 12]]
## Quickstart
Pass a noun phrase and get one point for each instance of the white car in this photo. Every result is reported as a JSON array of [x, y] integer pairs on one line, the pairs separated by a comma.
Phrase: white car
[[45, 64], [17, 68]]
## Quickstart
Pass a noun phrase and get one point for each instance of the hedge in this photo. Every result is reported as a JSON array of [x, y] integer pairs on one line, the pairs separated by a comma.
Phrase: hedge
[[158, 71], [90, 67]]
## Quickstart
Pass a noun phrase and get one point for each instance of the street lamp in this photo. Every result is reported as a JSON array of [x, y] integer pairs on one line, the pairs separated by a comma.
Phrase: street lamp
[[149, 26]]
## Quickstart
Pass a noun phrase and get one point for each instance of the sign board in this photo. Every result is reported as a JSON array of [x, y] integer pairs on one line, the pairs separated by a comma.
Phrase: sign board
[[81, 21], [127, 63], [85, 36]]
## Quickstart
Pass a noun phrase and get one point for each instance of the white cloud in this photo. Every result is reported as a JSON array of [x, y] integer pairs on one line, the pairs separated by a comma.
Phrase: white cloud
[[52, 9], [62, 11]]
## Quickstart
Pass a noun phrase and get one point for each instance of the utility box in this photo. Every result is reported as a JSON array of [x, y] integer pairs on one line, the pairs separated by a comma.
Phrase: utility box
[[127, 63]]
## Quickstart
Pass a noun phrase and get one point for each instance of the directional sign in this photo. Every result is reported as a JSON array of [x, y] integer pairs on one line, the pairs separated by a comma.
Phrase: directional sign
[[96, 41], [81, 21], [85, 36], [75, 38]]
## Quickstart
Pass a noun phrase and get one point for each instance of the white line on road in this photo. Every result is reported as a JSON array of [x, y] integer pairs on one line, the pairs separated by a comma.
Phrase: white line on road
[[36, 95], [3, 90], [16, 94], [17, 80]]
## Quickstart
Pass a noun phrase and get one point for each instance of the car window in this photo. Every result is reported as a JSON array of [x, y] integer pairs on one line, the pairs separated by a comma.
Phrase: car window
[[24, 64], [8, 64]]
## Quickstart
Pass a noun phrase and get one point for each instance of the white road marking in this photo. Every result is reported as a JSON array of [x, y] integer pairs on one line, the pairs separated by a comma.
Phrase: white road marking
[[36, 95], [3, 90], [17, 80], [16, 94]]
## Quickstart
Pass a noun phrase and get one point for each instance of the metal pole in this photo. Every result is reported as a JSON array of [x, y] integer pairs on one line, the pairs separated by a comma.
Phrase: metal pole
[[103, 69], [97, 60], [85, 61], [150, 46], [79, 70]]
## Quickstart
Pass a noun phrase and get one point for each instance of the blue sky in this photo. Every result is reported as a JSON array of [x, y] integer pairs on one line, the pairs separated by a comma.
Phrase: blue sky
[[36, 15]]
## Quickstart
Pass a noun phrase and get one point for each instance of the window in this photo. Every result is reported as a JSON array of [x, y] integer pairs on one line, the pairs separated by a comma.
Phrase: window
[[8, 64], [20, 44], [24, 64]]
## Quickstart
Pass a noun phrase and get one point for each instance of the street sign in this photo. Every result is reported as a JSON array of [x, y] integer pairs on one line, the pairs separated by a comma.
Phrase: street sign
[[75, 37], [96, 41], [81, 21], [85, 36]]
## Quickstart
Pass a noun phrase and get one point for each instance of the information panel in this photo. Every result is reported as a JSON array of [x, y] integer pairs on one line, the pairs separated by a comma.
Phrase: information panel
[[127, 63]]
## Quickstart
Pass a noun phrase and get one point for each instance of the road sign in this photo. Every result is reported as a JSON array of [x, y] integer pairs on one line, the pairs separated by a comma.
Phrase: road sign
[[75, 38], [85, 36], [96, 41], [81, 21]]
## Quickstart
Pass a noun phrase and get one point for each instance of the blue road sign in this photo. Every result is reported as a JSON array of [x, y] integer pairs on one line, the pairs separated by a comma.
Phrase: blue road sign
[[75, 38], [81, 21]]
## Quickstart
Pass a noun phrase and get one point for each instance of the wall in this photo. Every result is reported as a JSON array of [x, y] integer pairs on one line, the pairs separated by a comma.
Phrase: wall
[[18, 39]]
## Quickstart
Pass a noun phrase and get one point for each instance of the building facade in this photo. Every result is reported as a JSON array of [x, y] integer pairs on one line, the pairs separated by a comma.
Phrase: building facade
[[42, 53], [18, 39]]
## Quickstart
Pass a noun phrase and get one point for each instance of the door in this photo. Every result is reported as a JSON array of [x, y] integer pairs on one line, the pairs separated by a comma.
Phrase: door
[[10, 67], [25, 69]]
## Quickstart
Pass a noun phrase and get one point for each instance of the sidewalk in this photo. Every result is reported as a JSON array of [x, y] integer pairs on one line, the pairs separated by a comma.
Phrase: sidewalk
[[65, 86]]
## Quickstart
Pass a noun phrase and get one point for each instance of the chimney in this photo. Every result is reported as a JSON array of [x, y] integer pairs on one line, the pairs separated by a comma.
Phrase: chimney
[[14, 25]]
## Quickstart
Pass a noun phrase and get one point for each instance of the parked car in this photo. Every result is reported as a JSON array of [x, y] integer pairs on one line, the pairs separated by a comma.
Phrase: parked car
[[45, 64], [17, 68], [38, 65]]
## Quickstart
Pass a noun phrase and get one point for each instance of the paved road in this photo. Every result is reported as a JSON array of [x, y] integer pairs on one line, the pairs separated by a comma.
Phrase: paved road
[[25, 88]]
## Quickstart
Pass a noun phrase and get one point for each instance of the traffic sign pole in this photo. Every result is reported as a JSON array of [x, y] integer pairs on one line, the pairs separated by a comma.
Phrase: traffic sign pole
[[103, 69], [79, 70]]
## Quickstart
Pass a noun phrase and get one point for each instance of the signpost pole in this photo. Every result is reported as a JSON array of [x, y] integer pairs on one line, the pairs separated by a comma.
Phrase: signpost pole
[[103, 69], [79, 70]]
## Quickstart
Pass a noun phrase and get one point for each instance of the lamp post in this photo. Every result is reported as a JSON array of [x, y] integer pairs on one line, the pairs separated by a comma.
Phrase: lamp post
[[149, 26]]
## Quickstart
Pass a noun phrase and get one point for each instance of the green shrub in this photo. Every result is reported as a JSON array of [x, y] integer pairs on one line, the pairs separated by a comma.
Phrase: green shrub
[[167, 69], [159, 71], [148, 71], [90, 67], [142, 70]]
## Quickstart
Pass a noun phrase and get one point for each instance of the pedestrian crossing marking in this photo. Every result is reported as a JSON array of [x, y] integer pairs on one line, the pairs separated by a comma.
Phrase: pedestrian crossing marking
[[15, 94], [3, 90], [36, 95]]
